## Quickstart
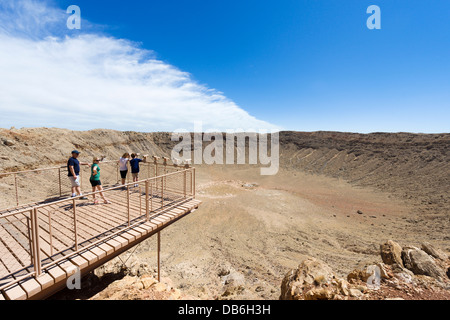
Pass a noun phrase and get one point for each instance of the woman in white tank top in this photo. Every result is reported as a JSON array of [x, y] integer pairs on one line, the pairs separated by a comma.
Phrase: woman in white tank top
[[123, 166]]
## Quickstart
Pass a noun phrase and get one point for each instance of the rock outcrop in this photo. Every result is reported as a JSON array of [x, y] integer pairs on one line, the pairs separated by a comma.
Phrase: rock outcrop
[[314, 280], [405, 273], [420, 263], [391, 252]]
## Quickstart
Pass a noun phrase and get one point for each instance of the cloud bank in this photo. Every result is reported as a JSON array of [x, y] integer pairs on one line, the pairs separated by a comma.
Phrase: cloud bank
[[88, 81]]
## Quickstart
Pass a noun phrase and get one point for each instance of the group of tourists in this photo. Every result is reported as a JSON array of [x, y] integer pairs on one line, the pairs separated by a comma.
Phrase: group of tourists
[[73, 168]]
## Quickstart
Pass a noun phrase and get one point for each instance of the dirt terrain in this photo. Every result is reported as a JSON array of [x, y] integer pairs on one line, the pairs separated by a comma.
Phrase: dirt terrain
[[336, 197]]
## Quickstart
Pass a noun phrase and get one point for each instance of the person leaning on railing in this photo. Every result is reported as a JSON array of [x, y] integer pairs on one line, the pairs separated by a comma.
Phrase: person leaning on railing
[[73, 168], [134, 164], [123, 166], [95, 180]]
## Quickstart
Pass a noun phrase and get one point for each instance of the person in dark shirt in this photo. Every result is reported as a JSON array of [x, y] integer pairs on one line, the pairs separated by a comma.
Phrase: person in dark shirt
[[73, 168], [134, 164]]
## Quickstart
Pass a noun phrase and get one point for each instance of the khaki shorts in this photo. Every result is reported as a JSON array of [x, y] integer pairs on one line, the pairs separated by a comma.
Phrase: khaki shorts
[[75, 181]]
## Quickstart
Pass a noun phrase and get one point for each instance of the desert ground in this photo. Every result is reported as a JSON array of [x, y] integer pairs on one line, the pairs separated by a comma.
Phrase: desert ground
[[336, 197]]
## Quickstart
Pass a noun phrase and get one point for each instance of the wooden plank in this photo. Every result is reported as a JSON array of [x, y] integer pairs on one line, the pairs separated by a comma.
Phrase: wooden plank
[[172, 213], [188, 205], [90, 257], [57, 273], [106, 218], [158, 220], [114, 243], [45, 281], [109, 249], [9, 260], [14, 251], [98, 252], [178, 210], [2, 298], [58, 224], [79, 261], [68, 267], [123, 241], [149, 226], [127, 235], [135, 233], [15, 293], [31, 287], [142, 231]]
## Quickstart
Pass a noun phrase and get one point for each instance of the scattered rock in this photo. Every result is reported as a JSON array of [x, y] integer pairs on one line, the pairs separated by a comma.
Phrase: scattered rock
[[435, 253], [315, 280], [359, 212], [420, 263], [376, 270], [250, 185], [319, 294], [126, 264], [355, 293], [391, 252], [8, 143], [306, 273]]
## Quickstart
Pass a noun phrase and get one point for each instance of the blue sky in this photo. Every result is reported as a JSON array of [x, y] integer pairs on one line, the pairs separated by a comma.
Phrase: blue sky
[[299, 65]]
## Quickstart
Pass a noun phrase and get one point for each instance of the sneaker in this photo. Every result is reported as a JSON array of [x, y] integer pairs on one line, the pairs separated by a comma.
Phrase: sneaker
[[83, 198]]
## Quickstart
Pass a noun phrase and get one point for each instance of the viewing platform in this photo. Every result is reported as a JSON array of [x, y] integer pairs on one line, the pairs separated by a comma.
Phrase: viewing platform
[[44, 243]]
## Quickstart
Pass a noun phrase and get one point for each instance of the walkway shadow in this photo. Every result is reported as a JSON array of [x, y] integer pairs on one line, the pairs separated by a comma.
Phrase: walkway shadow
[[90, 286]]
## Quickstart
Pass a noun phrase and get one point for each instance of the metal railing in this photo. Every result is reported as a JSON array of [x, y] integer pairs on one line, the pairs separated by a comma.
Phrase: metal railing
[[25, 188], [38, 237]]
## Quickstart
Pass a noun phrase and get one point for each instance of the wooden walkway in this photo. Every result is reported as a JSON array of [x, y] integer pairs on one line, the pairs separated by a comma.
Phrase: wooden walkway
[[79, 238]]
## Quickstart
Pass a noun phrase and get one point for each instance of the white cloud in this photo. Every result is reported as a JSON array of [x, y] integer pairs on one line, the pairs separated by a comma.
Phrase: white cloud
[[94, 81]]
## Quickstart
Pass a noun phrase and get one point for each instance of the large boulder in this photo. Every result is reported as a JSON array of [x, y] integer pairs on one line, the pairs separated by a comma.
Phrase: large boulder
[[391, 253], [434, 252], [420, 263], [309, 273], [379, 270]]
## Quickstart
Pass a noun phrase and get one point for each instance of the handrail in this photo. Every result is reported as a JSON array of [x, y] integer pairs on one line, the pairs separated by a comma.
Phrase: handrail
[[65, 166], [56, 186]]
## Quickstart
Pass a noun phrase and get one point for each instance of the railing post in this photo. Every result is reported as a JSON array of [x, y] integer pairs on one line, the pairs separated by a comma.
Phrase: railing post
[[117, 173], [59, 178], [147, 214], [81, 178], [140, 200], [186, 168], [128, 204], [159, 257], [30, 235], [17, 189], [193, 182], [165, 170], [151, 197], [155, 162], [36, 247], [50, 231], [184, 182], [75, 223], [162, 192]]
